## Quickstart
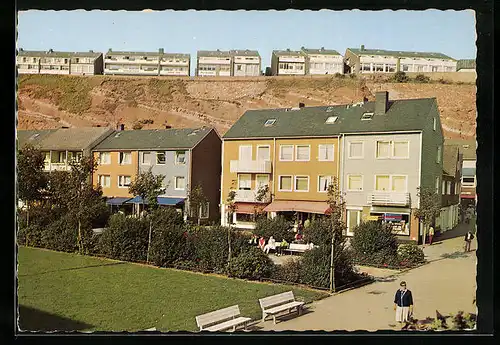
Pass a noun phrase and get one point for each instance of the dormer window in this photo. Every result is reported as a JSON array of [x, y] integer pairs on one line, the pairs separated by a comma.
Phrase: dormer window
[[331, 119], [269, 122], [329, 109], [367, 116]]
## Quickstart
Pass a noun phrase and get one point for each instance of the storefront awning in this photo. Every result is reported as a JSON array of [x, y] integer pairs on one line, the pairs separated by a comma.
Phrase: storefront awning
[[298, 206], [246, 208], [161, 201], [116, 201]]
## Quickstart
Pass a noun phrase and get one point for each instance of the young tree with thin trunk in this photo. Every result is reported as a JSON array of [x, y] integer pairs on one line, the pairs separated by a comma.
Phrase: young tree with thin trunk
[[231, 206], [429, 208], [197, 200]]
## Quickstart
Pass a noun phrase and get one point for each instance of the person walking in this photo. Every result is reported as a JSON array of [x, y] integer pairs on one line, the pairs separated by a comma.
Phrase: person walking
[[431, 234], [468, 239], [403, 304]]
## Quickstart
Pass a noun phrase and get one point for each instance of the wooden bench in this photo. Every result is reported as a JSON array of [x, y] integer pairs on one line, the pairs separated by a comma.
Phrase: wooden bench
[[276, 304], [297, 248], [222, 319]]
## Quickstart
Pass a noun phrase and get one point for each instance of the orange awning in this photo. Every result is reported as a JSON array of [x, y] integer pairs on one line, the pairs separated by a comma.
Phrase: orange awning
[[298, 206], [244, 207]]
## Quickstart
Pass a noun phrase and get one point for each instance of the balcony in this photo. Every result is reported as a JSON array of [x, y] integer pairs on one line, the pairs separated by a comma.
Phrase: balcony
[[56, 166], [247, 166], [389, 199], [248, 196]]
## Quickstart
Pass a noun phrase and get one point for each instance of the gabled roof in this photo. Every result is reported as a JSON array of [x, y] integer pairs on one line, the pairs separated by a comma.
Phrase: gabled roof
[[32, 137], [81, 138], [39, 53], [214, 53], [152, 139], [402, 115], [396, 53], [466, 64], [321, 51], [287, 52], [244, 52], [466, 147], [450, 159]]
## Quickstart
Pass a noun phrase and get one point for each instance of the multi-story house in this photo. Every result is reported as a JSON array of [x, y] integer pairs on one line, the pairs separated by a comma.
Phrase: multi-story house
[[381, 151], [215, 63], [187, 158], [466, 65], [61, 146], [323, 61], [387, 61], [450, 189], [146, 63], [245, 63], [288, 62], [468, 170], [56, 62]]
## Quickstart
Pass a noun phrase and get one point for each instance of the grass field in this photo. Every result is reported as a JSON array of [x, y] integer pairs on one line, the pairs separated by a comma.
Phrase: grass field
[[60, 291]]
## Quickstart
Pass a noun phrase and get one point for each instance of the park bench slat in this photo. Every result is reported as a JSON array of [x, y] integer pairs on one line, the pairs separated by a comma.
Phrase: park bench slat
[[221, 319], [275, 304], [228, 324]]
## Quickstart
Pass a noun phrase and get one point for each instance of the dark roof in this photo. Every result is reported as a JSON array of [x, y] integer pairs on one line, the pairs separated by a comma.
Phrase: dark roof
[[402, 115], [39, 53], [74, 138], [32, 137], [466, 147], [466, 64], [214, 53], [425, 55], [151, 139], [450, 159], [321, 51], [288, 52], [244, 52]]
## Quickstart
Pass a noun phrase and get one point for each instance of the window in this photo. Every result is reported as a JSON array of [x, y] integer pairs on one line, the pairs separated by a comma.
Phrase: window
[[146, 158], [323, 183], [367, 116], [438, 155], [382, 182], [390, 68], [244, 182], [104, 158], [353, 220], [437, 185], [180, 157], [160, 157], [204, 210], [399, 183], [123, 181], [286, 152], [244, 218], [354, 183], [400, 149], [405, 68], [434, 123], [325, 152], [262, 180], [331, 119], [105, 181], [285, 183], [302, 152], [180, 183], [383, 149], [301, 183], [356, 149], [448, 187], [125, 158], [366, 67], [269, 122], [238, 67], [379, 68], [263, 153], [443, 187], [245, 152], [468, 181]]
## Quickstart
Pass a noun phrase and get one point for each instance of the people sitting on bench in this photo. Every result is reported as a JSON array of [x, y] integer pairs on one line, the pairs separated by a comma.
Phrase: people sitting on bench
[[283, 245], [271, 244]]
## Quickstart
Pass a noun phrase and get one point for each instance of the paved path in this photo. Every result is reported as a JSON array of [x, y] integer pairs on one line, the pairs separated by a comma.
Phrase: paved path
[[446, 284]]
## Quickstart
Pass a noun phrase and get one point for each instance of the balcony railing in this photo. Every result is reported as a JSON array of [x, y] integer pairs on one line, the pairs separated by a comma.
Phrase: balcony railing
[[56, 166], [389, 198], [248, 196], [248, 166]]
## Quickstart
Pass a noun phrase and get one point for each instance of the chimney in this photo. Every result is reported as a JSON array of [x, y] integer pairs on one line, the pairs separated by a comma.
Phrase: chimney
[[168, 126], [381, 102], [365, 99], [122, 127], [161, 51], [322, 48], [362, 47], [301, 105], [91, 51], [50, 50], [21, 49], [65, 127]]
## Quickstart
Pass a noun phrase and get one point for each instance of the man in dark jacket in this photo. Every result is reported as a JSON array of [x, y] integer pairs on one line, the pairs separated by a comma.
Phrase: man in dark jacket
[[403, 304], [468, 239]]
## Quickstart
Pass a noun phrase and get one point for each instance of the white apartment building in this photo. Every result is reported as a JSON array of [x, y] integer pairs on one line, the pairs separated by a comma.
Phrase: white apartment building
[[213, 63], [288, 62], [246, 63], [323, 61]]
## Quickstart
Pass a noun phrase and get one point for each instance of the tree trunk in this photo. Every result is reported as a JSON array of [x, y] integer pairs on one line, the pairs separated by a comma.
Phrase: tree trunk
[[80, 236], [229, 242], [332, 264], [149, 238], [27, 213]]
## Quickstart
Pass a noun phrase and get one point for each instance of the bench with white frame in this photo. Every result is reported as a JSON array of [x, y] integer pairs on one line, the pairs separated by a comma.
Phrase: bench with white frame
[[297, 248], [222, 319], [276, 304]]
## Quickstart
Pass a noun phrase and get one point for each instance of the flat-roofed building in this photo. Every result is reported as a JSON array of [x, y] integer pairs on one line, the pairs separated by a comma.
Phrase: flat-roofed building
[[213, 63], [246, 63], [288, 62], [323, 61]]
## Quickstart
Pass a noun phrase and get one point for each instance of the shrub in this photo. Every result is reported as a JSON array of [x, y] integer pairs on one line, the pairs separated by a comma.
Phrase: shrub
[[251, 264], [420, 78], [319, 232], [126, 238], [339, 75], [137, 126], [410, 254], [62, 234], [289, 271], [211, 247], [30, 236], [374, 242], [167, 243], [444, 81], [400, 77], [278, 227]]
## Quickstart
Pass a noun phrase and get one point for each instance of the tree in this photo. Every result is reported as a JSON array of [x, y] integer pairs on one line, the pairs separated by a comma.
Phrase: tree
[[148, 186], [197, 200], [32, 180], [429, 207], [231, 206], [263, 195], [337, 207]]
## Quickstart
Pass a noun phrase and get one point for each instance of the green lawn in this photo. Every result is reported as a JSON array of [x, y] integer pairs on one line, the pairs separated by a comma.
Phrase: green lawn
[[73, 292]]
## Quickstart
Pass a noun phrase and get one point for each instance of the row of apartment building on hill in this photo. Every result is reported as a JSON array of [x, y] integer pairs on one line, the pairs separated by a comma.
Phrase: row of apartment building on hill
[[381, 151], [242, 63]]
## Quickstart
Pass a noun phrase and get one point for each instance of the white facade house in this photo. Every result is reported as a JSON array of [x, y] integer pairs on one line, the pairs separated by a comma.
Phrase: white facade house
[[246, 63], [323, 61], [213, 64], [288, 63]]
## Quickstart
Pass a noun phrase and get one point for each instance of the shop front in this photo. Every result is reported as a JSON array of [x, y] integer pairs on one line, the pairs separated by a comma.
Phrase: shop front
[[399, 219]]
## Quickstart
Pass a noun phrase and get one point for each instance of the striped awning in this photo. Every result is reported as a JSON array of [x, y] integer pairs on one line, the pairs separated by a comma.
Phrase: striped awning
[[298, 206], [245, 207]]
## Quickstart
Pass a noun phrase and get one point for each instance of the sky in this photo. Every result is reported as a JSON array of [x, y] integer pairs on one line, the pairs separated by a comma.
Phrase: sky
[[450, 32]]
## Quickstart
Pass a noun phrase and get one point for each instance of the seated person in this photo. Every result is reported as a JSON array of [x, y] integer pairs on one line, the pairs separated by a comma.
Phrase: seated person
[[282, 245], [298, 236], [262, 242], [271, 244]]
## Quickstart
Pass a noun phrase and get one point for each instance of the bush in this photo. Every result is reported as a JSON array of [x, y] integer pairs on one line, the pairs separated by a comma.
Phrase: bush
[[420, 78], [444, 81], [400, 77], [374, 242], [126, 238], [62, 235], [410, 254], [278, 227], [319, 232], [290, 271], [211, 247], [251, 264], [30, 236], [339, 75], [167, 243]]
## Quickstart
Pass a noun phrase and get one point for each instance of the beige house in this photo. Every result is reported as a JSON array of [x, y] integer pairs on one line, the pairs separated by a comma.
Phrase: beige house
[[364, 60], [216, 63], [57, 62], [288, 62], [323, 61], [245, 63], [146, 63]]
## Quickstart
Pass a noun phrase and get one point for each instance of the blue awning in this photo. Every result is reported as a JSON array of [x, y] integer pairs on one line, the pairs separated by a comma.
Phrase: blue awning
[[116, 201], [161, 201]]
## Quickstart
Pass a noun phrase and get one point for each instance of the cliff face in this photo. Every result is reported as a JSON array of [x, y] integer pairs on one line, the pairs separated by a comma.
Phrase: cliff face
[[48, 101]]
